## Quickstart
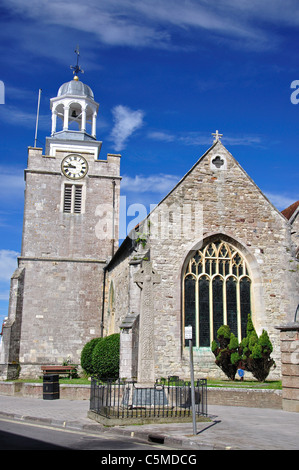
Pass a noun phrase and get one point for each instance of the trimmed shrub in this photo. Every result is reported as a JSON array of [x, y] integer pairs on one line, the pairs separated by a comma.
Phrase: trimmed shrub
[[105, 357], [226, 353], [252, 354], [223, 335], [255, 352], [86, 355], [257, 358]]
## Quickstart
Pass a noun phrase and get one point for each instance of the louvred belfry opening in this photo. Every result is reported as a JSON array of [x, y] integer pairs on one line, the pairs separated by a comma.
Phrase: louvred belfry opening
[[72, 203]]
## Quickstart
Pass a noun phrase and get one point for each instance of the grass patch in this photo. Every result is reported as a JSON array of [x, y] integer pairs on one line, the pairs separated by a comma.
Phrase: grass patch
[[268, 384], [62, 380]]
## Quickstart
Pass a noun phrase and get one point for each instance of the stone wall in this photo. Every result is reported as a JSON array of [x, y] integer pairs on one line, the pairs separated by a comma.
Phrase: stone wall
[[289, 337], [11, 331], [216, 396], [128, 367], [295, 264], [122, 295], [58, 320], [35, 390], [247, 397], [295, 229]]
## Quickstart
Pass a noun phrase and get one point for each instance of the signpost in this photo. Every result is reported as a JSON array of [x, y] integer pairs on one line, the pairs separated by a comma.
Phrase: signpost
[[188, 335]]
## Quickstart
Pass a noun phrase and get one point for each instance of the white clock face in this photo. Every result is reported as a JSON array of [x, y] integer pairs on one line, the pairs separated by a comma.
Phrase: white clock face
[[74, 166]]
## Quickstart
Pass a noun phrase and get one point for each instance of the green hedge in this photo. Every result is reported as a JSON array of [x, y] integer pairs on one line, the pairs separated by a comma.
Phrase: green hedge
[[100, 357], [105, 357], [86, 355]]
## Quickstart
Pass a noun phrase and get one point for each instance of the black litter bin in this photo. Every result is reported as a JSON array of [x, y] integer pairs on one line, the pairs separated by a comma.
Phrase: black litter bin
[[51, 387]]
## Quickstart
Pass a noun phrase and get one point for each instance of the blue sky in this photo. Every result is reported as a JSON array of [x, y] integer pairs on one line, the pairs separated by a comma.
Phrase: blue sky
[[166, 74]]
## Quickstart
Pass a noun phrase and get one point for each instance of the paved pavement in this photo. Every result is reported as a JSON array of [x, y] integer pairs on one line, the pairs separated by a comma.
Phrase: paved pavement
[[235, 428]]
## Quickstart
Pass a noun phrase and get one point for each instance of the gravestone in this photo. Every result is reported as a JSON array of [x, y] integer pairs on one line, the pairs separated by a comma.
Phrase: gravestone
[[149, 397]]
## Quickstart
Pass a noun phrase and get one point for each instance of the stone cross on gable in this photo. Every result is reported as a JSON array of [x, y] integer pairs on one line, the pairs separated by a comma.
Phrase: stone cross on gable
[[217, 136], [146, 277]]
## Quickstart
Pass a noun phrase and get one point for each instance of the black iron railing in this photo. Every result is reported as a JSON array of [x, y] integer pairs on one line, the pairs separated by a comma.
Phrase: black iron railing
[[121, 399]]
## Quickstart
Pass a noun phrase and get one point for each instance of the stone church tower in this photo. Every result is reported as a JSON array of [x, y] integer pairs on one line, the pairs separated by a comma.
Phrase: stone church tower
[[70, 230]]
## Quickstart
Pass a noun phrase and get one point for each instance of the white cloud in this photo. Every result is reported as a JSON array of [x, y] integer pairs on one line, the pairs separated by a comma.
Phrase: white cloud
[[199, 138], [161, 183], [16, 115], [111, 22], [157, 24], [4, 295], [12, 187], [162, 136], [280, 201], [187, 138], [12, 183], [247, 140], [126, 122], [140, 194], [8, 264]]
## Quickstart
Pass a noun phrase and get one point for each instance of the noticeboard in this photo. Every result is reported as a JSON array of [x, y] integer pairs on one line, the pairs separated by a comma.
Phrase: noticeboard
[[188, 332]]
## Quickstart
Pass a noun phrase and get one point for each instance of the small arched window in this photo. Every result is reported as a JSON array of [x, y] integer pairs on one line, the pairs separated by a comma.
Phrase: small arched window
[[216, 291]]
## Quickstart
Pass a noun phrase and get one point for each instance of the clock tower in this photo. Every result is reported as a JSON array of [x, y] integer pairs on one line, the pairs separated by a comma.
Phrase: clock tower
[[70, 232]]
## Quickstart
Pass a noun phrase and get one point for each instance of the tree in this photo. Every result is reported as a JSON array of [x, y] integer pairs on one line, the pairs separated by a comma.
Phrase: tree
[[105, 357], [255, 352], [226, 352], [252, 354], [86, 355]]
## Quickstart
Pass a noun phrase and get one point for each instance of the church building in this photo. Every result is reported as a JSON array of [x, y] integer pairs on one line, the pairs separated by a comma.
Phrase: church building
[[211, 252]]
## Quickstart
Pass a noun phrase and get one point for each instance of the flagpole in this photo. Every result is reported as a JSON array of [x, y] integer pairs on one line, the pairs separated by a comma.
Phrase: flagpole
[[37, 115]]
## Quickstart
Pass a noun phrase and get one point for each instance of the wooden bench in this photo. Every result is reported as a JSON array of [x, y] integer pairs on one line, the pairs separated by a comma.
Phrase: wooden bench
[[60, 370]]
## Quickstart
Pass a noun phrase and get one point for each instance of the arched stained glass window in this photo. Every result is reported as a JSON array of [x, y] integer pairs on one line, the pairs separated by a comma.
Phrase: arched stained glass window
[[216, 291], [203, 310]]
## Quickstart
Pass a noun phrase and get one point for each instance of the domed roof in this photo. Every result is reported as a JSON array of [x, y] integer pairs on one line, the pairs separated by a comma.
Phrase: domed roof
[[75, 87]]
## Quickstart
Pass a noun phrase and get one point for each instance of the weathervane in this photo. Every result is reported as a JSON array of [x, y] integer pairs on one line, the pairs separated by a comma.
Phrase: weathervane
[[217, 136], [77, 67]]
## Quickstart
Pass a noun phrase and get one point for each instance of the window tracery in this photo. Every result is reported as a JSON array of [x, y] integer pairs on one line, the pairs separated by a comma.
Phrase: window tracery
[[216, 291]]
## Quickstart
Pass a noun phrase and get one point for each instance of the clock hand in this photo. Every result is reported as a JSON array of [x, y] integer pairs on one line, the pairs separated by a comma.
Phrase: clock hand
[[71, 166]]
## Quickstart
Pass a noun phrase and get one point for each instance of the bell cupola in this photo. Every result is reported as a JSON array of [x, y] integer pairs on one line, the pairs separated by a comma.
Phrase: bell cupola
[[74, 112], [75, 106]]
